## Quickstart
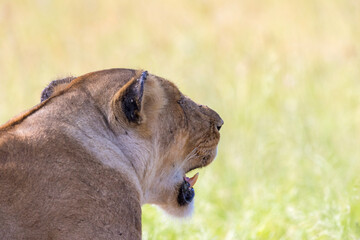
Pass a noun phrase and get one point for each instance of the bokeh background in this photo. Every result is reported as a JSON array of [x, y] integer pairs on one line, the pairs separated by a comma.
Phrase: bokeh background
[[284, 76]]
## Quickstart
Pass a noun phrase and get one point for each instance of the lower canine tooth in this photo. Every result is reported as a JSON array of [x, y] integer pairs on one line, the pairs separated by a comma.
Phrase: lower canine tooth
[[193, 180]]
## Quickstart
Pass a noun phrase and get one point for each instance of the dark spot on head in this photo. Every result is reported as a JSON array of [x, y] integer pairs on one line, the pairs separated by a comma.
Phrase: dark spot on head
[[206, 158]]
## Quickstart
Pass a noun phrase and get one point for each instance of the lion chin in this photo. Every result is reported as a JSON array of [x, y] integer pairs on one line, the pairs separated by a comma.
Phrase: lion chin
[[180, 212], [80, 164]]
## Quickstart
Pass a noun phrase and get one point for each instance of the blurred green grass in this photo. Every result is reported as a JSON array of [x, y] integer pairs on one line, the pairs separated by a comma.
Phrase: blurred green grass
[[284, 75]]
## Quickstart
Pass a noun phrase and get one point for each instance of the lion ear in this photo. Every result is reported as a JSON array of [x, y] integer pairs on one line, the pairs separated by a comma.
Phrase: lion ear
[[130, 96], [55, 86]]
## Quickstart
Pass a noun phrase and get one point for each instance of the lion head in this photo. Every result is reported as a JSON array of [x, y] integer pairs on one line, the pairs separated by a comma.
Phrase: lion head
[[162, 134]]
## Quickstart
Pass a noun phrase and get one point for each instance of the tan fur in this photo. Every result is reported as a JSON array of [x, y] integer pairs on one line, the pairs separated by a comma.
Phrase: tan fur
[[74, 167]]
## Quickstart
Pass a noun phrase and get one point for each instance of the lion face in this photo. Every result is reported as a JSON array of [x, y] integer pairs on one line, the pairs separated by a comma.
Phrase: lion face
[[196, 136], [181, 136]]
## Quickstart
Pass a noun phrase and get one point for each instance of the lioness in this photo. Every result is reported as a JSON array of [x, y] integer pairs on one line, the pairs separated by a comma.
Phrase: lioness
[[82, 163]]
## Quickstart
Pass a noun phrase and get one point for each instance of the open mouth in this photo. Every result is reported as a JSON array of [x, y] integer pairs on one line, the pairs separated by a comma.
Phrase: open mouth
[[186, 191]]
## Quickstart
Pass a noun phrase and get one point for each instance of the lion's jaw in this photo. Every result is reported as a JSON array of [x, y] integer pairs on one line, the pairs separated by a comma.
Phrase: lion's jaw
[[166, 173]]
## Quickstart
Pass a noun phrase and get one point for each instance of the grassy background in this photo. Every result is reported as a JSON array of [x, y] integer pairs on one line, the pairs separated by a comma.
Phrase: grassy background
[[284, 75]]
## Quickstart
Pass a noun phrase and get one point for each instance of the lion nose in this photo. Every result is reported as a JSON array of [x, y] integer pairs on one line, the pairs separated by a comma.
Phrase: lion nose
[[219, 124], [215, 118]]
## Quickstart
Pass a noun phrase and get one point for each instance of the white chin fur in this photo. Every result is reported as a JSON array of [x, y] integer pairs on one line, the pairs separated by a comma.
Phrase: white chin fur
[[180, 211]]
